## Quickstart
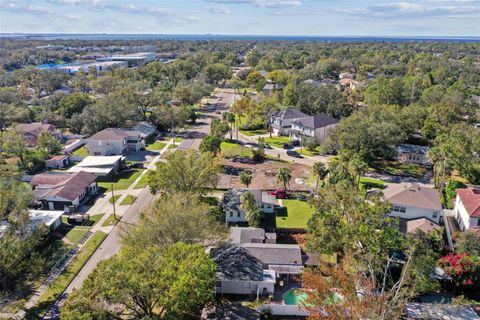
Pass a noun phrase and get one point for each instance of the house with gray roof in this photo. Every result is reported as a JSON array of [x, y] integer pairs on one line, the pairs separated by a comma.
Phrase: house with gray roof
[[232, 201], [239, 235], [115, 141], [281, 121], [438, 311], [238, 272], [283, 258], [315, 127], [412, 153]]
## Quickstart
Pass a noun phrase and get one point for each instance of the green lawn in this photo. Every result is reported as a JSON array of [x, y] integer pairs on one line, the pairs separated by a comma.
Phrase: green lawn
[[76, 234], [114, 198], [398, 168], [294, 214], [308, 153], [277, 141], [57, 287], [156, 146], [129, 199], [253, 132], [370, 183], [143, 182], [121, 181], [81, 152], [177, 141], [231, 149], [110, 221]]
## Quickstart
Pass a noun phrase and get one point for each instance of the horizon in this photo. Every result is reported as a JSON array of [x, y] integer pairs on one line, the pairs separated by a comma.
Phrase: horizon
[[364, 18]]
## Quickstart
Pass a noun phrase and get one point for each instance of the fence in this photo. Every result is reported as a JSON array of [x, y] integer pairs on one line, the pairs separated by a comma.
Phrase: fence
[[284, 310]]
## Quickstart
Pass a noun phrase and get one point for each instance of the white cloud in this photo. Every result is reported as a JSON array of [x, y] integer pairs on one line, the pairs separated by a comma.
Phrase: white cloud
[[275, 4], [218, 10]]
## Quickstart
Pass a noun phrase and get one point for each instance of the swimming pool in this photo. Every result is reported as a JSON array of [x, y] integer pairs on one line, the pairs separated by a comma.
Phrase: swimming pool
[[47, 66], [294, 296]]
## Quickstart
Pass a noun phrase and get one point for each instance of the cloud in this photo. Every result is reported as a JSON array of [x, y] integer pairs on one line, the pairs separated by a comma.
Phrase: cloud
[[275, 4], [408, 10], [218, 10], [22, 7]]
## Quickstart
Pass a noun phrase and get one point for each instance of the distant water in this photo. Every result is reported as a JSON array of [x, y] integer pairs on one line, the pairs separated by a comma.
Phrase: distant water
[[212, 37]]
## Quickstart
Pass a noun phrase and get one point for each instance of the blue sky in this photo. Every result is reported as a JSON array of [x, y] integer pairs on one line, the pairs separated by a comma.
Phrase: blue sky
[[267, 17]]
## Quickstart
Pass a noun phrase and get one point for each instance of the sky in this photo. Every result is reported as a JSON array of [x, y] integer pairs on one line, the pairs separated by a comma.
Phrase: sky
[[244, 17]]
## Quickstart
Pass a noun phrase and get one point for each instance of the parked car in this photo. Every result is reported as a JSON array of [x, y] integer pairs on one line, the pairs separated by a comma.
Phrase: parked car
[[295, 143], [278, 193], [295, 154], [267, 146], [287, 146]]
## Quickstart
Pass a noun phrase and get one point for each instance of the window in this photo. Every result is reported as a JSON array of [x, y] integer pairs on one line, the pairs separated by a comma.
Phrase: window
[[478, 222], [231, 214], [434, 215], [238, 214], [403, 209]]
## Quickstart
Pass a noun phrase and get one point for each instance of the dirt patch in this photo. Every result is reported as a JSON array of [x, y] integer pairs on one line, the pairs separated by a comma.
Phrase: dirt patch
[[263, 175]]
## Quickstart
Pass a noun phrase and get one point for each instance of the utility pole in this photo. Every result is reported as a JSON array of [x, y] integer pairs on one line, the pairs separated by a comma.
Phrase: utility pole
[[113, 202]]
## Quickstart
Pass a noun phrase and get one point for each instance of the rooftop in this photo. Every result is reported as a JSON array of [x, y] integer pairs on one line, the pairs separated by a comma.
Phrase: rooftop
[[318, 121], [413, 195], [114, 134], [412, 148], [67, 186], [236, 264], [246, 235], [45, 217], [291, 113], [435, 311], [273, 253], [36, 127], [470, 198], [423, 224]]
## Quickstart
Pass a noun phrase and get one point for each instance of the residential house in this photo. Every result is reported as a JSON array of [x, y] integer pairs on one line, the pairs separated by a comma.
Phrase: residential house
[[147, 130], [32, 132], [412, 201], [467, 208], [65, 191], [431, 311], [420, 224], [231, 203], [348, 82], [114, 141], [240, 273], [239, 235], [281, 122], [314, 127], [229, 311], [270, 88], [412, 153], [57, 162], [51, 219], [100, 166], [283, 258]]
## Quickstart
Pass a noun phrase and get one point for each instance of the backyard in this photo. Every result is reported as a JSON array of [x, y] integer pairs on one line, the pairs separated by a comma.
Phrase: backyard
[[156, 146], [81, 152], [293, 214], [397, 168]]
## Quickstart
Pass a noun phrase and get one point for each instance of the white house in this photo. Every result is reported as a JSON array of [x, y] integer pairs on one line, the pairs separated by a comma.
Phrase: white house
[[281, 122], [240, 273], [412, 201], [231, 203], [100, 166], [315, 127], [412, 153], [113, 141], [467, 208]]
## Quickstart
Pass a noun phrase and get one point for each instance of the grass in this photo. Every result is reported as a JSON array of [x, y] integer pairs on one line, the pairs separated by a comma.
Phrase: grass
[[110, 221], [251, 133], [81, 152], [142, 183], [96, 217], [370, 183], [231, 149], [121, 181], [277, 141], [156, 146], [61, 283], [294, 214], [177, 141], [398, 168], [76, 234], [114, 198], [309, 153], [129, 199]]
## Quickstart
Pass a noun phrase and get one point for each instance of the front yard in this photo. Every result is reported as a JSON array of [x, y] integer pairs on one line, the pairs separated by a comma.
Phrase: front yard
[[232, 149], [397, 168], [120, 181], [277, 141], [156, 146], [293, 214], [256, 132]]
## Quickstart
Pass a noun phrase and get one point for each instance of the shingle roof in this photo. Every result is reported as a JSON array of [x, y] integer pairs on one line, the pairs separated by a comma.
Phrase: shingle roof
[[66, 186], [230, 311], [423, 224], [109, 134], [236, 264], [412, 148], [231, 199], [436, 311], [273, 253], [246, 235], [36, 128], [413, 195], [291, 113], [470, 198], [318, 121]]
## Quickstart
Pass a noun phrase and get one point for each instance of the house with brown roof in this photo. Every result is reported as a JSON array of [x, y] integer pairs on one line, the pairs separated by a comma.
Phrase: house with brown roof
[[32, 132], [57, 162], [420, 224], [467, 208], [115, 141], [63, 191], [412, 201]]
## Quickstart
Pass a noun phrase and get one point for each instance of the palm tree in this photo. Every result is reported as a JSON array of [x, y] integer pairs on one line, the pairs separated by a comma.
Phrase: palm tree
[[284, 176], [249, 205], [441, 165], [230, 119], [357, 168], [320, 171], [245, 178]]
